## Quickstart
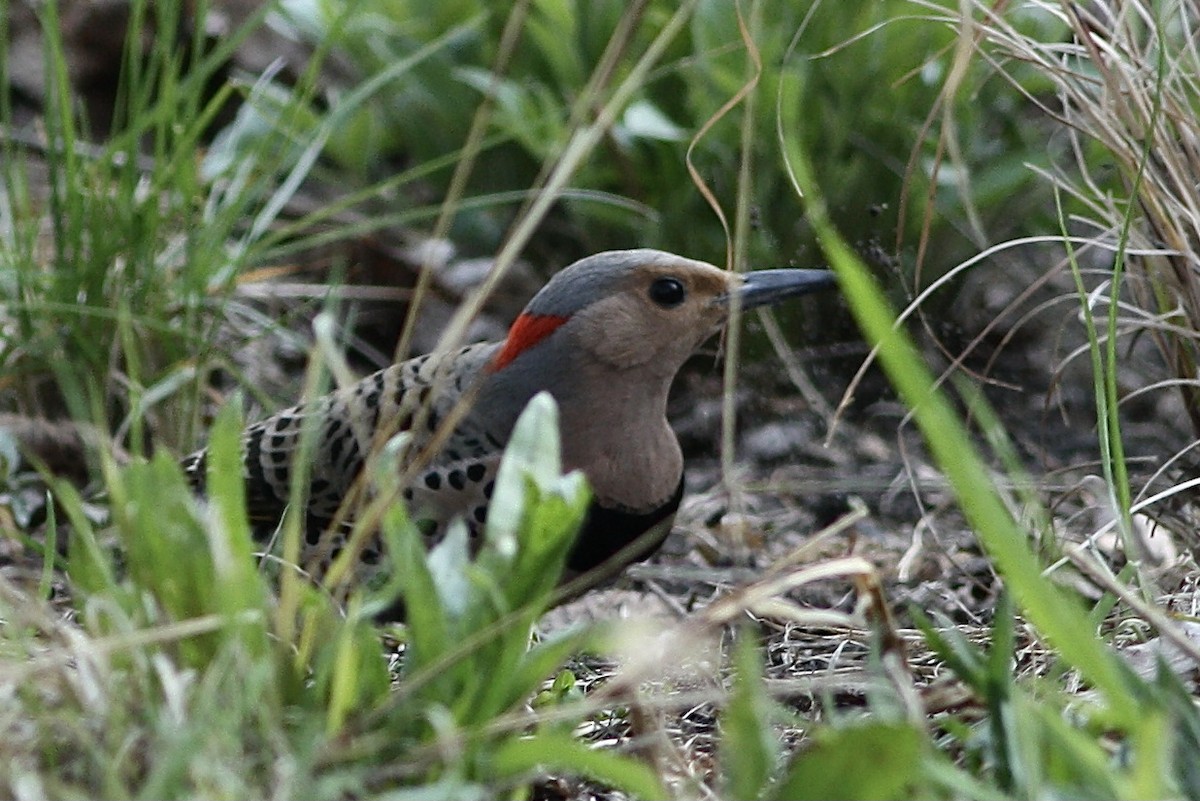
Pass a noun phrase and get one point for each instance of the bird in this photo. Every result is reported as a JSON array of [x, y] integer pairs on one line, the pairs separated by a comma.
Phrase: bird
[[605, 337]]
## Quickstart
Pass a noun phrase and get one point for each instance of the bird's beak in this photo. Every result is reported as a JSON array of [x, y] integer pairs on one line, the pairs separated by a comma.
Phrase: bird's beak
[[764, 287]]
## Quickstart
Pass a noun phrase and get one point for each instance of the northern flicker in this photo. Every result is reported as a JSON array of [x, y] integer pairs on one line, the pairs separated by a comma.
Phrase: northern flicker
[[605, 336]]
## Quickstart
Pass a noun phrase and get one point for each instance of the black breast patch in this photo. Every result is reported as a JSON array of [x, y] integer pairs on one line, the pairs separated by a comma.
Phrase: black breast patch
[[607, 531]]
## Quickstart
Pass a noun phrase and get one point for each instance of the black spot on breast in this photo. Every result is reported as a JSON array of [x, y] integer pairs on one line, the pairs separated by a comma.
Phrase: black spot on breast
[[480, 513], [476, 472], [278, 441], [408, 493], [457, 479], [377, 386], [433, 481], [489, 488], [434, 420], [370, 556], [312, 535], [335, 449], [453, 456]]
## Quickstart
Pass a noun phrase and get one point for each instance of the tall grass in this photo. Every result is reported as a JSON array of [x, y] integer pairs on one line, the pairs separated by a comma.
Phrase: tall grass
[[1117, 80], [1125, 91], [114, 276], [1123, 701]]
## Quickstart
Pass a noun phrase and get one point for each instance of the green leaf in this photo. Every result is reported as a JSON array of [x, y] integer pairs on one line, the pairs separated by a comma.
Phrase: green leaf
[[960, 656], [1185, 747], [535, 511], [240, 585], [998, 693], [645, 120], [532, 451], [857, 763], [552, 752], [528, 671], [448, 563], [749, 747], [359, 677], [428, 622]]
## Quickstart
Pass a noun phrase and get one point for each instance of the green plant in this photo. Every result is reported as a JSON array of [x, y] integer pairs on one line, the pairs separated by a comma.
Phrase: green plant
[[877, 74], [111, 311]]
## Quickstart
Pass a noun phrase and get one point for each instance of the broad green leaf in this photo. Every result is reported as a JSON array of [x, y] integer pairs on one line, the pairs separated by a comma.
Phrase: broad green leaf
[[426, 615], [645, 120], [532, 454], [527, 756], [865, 762], [448, 563], [230, 542], [749, 747]]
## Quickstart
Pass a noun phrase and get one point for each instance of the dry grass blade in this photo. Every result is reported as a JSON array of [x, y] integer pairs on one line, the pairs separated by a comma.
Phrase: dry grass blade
[[1128, 80]]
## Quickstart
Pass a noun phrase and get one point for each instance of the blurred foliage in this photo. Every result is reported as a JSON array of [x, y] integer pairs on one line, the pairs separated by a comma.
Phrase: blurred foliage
[[873, 74]]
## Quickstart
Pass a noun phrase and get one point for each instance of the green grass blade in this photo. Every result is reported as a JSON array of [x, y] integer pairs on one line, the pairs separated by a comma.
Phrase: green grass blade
[[1058, 615], [749, 748]]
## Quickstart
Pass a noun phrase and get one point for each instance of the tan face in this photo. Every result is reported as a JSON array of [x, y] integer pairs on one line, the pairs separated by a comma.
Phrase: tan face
[[660, 314]]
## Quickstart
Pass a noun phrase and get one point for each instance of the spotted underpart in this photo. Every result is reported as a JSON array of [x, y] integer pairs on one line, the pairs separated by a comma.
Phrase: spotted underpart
[[346, 424]]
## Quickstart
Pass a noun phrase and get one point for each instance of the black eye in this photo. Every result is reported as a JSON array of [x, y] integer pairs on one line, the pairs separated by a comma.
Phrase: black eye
[[667, 292]]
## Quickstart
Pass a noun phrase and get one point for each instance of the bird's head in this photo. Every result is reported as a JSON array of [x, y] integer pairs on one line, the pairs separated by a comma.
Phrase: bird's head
[[643, 309]]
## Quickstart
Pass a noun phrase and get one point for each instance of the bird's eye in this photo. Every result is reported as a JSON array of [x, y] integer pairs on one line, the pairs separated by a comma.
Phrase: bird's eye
[[667, 292]]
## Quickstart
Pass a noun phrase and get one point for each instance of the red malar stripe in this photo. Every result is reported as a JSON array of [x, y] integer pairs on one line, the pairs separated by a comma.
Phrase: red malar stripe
[[527, 330]]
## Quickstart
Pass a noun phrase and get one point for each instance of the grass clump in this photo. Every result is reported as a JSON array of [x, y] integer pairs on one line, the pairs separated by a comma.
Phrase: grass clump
[[1125, 91]]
